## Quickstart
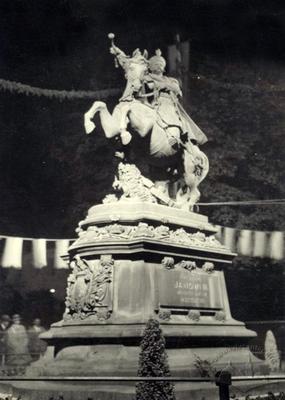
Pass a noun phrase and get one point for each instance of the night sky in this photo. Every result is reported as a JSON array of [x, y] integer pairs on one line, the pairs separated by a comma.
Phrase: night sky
[[46, 176]]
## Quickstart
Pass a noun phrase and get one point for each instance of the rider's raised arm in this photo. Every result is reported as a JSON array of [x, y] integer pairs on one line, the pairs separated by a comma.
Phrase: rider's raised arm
[[121, 57]]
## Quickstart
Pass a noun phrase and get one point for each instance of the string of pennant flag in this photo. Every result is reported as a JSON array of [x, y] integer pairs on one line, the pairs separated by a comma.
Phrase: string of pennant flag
[[244, 242], [15, 248], [249, 243]]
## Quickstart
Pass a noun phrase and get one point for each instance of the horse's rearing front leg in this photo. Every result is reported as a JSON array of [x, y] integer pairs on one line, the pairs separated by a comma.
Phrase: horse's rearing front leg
[[88, 124], [109, 122]]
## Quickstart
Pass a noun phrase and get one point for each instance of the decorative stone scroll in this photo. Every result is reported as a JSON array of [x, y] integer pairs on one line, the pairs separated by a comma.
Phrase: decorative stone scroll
[[220, 316], [168, 262], [189, 265], [88, 288], [143, 230], [194, 315], [164, 315], [208, 267]]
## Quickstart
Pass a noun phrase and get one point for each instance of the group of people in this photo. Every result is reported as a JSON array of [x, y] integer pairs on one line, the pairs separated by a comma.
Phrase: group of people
[[20, 346]]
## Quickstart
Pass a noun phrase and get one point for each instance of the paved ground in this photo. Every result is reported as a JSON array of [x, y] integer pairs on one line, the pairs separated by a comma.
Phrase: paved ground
[[41, 390]]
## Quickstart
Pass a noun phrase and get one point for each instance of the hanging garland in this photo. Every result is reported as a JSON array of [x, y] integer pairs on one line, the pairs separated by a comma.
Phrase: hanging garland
[[20, 88]]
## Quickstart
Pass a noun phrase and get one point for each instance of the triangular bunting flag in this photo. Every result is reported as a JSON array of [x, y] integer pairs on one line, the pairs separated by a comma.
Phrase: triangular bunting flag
[[276, 245], [259, 244], [230, 238], [39, 253], [61, 247], [12, 254], [244, 245]]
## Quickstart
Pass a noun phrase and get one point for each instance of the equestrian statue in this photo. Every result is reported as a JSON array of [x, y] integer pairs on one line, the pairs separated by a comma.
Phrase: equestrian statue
[[150, 107]]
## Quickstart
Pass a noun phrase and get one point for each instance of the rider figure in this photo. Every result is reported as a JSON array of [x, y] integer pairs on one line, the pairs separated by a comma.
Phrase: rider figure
[[160, 82], [167, 93]]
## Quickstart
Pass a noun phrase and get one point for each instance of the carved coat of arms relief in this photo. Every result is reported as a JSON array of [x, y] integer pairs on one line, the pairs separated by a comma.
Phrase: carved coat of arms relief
[[89, 288]]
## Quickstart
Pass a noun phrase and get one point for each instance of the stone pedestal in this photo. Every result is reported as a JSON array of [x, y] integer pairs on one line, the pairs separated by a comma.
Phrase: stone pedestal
[[133, 261]]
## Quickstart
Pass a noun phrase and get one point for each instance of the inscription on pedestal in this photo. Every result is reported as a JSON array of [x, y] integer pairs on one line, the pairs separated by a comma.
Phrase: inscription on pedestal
[[194, 291], [188, 289]]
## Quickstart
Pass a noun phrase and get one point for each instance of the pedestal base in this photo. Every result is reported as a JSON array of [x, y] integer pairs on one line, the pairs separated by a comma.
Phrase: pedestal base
[[136, 261], [122, 360]]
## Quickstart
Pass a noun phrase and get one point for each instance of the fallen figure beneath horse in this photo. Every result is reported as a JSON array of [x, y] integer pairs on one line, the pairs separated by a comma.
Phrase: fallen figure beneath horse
[[150, 108]]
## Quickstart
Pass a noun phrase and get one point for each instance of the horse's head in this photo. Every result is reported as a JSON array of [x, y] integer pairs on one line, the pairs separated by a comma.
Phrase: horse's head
[[135, 69]]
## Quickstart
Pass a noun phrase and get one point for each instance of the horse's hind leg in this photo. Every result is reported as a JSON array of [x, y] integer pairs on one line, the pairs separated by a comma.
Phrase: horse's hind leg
[[187, 197], [196, 167], [192, 194], [194, 197]]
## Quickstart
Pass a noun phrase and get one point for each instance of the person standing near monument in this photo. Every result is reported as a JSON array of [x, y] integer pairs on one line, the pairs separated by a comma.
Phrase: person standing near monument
[[17, 343], [37, 347], [4, 325]]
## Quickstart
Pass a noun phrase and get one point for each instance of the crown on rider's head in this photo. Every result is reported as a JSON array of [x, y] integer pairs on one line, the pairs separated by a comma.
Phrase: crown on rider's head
[[157, 61]]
